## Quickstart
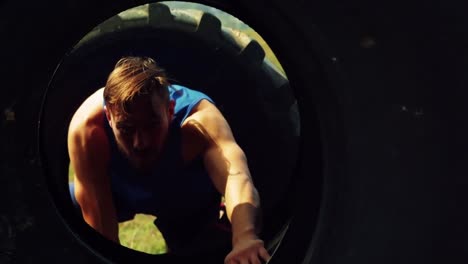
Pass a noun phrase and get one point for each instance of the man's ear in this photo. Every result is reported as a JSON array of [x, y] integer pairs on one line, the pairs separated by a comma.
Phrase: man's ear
[[171, 109], [108, 116]]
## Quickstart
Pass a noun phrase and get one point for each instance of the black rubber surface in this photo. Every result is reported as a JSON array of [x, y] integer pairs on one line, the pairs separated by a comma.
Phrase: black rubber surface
[[386, 83]]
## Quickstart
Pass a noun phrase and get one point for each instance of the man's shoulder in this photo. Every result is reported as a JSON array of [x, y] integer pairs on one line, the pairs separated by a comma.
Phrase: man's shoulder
[[206, 119], [87, 123], [89, 143], [201, 111]]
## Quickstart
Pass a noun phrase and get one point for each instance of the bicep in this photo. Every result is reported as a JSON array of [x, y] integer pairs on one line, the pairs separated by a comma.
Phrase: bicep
[[89, 158], [227, 166], [226, 162], [224, 159]]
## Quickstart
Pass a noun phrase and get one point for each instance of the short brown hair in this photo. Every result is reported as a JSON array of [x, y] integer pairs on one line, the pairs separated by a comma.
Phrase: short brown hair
[[135, 76]]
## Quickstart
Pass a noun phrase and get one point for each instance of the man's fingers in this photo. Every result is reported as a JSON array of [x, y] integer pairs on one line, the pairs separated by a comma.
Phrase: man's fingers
[[243, 261], [254, 259], [264, 254], [230, 261], [252, 254]]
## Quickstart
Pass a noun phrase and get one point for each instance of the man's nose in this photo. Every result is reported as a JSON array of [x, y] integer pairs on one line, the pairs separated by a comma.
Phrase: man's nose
[[140, 140]]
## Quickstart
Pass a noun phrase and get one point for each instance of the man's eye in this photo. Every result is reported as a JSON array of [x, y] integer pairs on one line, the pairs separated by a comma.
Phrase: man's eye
[[154, 124], [125, 130]]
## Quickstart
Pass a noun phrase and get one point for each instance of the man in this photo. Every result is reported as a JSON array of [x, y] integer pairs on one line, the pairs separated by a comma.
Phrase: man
[[141, 145]]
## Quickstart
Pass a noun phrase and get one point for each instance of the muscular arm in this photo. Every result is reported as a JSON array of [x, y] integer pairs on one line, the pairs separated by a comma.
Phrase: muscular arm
[[89, 156], [227, 165]]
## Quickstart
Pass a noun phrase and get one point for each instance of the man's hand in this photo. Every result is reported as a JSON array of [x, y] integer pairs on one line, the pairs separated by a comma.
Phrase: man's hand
[[251, 251]]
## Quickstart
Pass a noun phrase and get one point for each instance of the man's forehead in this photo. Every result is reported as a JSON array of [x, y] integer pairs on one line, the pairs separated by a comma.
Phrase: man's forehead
[[132, 117], [141, 106], [134, 113]]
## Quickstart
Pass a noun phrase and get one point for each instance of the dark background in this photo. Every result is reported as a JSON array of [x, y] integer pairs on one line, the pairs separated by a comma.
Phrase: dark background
[[392, 119]]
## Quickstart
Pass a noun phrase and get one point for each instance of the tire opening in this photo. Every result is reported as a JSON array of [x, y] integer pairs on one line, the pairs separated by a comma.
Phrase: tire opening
[[204, 51]]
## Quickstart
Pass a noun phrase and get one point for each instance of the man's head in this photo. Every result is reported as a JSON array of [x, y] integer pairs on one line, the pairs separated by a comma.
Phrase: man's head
[[138, 109]]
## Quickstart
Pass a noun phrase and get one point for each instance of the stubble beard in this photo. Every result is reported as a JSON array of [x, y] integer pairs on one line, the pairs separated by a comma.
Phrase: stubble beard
[[140, 165]]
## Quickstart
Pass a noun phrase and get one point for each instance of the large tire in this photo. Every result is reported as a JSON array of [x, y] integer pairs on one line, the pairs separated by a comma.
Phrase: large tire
[[369, 74], [226, 64]]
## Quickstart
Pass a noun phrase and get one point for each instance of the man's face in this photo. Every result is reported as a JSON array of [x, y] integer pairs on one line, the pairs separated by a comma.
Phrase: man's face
[[141, 135]]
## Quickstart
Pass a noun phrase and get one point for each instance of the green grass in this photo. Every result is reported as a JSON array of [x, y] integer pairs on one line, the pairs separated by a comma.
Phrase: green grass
[[140, 233], [70, 173]]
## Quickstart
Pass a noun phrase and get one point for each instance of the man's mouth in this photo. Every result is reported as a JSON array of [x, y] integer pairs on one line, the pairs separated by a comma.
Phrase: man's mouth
[[141, 153], [144, 155]]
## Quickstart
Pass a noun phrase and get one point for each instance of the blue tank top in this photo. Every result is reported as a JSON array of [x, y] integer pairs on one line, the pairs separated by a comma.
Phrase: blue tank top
[[174, 190]]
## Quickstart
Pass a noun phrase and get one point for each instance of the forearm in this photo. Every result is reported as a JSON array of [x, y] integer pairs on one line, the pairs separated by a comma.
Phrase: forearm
[[243, 208], [245, 216], [108, 229], [100, 217]]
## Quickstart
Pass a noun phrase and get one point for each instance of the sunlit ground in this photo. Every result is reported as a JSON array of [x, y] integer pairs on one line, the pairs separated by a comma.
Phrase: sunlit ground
[[142, 235]]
